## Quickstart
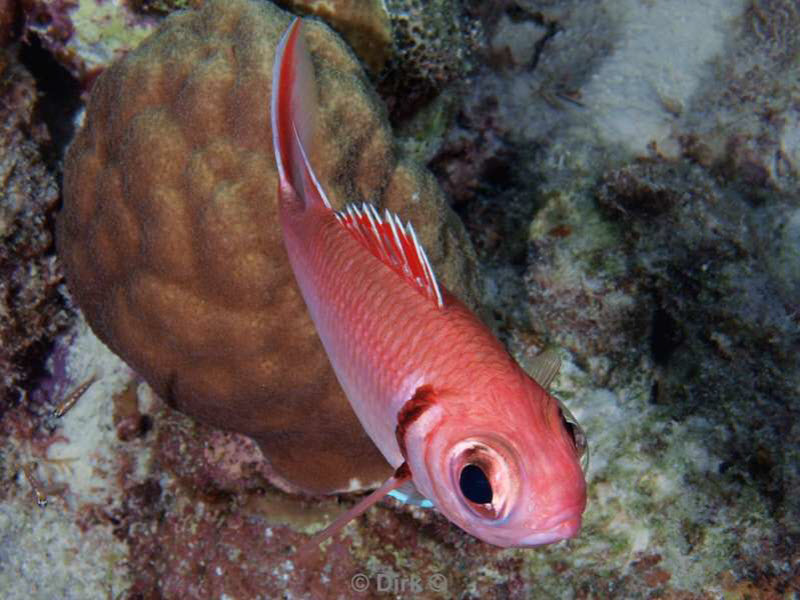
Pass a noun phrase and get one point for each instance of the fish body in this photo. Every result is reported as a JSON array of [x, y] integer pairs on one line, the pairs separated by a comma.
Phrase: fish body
[[466, 428]]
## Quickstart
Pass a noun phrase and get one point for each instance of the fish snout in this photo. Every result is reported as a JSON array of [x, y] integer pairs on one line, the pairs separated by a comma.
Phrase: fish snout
[[568, 528]]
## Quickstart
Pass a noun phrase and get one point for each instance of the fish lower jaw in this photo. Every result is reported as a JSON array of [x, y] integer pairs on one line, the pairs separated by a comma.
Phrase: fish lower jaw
[[565, 530]]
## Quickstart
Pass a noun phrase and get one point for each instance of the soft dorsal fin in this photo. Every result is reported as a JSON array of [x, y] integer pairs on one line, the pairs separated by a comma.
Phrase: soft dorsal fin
[[544, 368], [292, 114], [394, 244]]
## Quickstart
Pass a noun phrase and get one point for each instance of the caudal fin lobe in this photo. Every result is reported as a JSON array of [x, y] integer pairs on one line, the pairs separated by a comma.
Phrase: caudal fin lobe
[[293, 108]]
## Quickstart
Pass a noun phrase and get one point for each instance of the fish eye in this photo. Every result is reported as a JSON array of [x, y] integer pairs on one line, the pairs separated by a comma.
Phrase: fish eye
[[576, 434], [474, 485], [485, 475]]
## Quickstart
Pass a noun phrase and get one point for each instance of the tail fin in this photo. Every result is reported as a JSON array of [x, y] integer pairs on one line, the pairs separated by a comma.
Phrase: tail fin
[[293, 108]]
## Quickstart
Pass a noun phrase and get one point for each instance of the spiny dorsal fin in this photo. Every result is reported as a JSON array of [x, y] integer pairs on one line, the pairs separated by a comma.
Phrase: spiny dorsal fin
[[395, 245]]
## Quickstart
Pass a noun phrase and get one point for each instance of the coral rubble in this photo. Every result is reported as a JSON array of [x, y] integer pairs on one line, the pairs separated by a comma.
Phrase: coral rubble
[[85, 35]]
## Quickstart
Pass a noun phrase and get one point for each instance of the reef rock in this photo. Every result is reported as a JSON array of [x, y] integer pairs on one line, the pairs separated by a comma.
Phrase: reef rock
[[32, 309], [413, 49]]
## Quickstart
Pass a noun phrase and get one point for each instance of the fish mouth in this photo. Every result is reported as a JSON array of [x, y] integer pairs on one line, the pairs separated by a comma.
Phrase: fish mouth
[[563, 531], [563, 526]]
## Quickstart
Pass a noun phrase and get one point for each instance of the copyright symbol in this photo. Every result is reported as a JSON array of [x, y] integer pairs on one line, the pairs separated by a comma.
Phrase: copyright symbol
[[359, 582], [437, 582]]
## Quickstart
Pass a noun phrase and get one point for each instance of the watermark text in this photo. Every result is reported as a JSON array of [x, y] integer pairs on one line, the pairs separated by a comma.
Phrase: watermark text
[[393, 583]]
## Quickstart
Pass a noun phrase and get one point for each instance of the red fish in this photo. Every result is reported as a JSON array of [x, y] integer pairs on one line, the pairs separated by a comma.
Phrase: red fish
[[467, 430]]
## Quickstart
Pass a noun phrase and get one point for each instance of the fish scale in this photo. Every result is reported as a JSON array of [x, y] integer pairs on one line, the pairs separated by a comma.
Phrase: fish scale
[[359, 324]]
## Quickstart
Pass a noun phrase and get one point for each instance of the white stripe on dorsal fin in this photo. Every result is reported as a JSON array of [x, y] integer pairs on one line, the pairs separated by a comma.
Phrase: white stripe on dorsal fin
[[292, 115], [393, 244], [311, 183]]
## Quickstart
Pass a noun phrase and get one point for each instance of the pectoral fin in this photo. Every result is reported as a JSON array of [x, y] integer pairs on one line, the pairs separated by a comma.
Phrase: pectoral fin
[[544, 368], [400, 477], [408, 494]]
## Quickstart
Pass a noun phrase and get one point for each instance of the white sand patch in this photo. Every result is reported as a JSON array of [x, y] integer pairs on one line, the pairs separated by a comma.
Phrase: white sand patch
[[90, 453], [43, 554], [43, 551]]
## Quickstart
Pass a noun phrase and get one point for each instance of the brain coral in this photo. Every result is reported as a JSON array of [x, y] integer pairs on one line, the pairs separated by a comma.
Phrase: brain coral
[[170, 241]]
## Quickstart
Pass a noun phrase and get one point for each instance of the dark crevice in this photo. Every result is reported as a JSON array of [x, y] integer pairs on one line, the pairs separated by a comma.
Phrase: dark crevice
[[666, 336], [518, 14], [59, 98], [538, 49]]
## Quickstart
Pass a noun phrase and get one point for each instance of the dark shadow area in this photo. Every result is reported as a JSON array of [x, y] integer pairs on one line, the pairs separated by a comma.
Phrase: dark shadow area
[[59, 98]]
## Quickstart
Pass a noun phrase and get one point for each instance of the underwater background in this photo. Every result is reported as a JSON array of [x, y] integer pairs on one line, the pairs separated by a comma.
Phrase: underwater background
[[625, 177]]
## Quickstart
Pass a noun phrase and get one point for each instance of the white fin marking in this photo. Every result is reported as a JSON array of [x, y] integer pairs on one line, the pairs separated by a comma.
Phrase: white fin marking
[[408, 494], [308, 170], [293, 109], [394, 244]]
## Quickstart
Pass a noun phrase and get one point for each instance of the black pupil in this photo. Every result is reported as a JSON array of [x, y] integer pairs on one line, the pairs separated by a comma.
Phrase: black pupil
[[474, 485]]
